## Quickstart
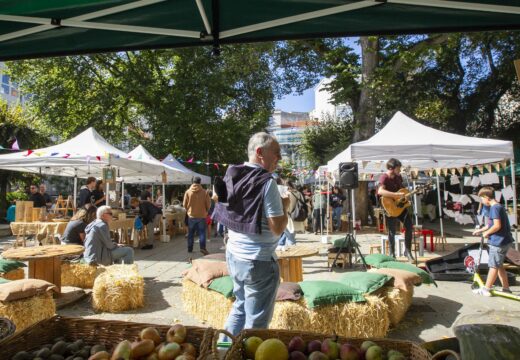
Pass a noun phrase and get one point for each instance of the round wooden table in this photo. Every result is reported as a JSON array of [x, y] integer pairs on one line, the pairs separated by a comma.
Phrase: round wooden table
[[291, 264], [44, 261]]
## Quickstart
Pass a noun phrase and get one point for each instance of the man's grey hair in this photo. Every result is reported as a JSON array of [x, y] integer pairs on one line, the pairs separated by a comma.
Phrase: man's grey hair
[[102, 210], [259, 140]]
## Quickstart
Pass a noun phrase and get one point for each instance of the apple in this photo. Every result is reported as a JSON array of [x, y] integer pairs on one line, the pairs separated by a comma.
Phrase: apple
[[296, 344], [314, 345], [330, 348], [177, 334], [349, 352]]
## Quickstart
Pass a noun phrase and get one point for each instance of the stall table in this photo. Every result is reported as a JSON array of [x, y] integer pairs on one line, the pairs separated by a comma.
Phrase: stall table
[[47, 229], [291, 264], [124, 227], [44, 261]]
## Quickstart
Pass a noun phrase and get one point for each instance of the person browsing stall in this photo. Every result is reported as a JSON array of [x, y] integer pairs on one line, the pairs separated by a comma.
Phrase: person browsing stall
[[251, 207], [389, 185], [36, 197], [46, 197], [85, 194], [197, 204], [75, 231], [99, 248], [500, 240]]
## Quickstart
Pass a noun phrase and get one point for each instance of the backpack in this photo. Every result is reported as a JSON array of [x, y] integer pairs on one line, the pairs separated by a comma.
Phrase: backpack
[[300, 211]]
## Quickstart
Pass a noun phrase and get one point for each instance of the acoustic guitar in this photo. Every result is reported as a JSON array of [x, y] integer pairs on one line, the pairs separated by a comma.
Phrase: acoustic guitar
[[394, 207]]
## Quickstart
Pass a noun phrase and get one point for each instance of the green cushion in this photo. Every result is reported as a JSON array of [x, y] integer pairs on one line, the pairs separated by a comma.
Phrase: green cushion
[[426, 278], [223, 285], [323, 292], [366, 282], [376, 259], [9, 265], [3, 281]]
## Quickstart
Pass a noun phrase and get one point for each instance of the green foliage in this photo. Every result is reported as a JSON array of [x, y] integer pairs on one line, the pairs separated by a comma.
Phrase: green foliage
[[285, 170], [16, 195], [327, 139]]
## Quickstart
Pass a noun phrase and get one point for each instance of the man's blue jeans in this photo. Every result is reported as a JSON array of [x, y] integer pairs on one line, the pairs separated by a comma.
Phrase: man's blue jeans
[[199, 225], [123, 254], [288, 237], [255, 284], [336, 217]]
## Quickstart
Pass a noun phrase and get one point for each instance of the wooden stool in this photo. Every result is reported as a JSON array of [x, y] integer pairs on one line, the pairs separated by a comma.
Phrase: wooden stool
[[343, 258], [375, 247], [441, 240]]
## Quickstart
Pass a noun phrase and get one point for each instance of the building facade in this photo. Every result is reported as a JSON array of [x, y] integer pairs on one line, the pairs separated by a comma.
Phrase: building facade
[[9, 90]]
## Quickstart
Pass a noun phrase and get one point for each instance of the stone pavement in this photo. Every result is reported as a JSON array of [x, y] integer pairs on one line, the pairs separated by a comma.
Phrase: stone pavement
[[433, 312]]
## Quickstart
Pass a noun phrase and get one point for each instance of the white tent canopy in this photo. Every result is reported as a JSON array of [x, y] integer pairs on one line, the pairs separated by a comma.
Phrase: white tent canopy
[[84, 155], [174, 163], [173, 176], [422, 148]]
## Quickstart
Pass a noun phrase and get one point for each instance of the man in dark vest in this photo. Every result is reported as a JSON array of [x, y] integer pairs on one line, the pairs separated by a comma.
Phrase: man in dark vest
[[251, 207]]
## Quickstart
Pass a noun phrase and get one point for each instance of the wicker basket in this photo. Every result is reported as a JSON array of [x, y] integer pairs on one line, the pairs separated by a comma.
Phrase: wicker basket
[[407, 348], [7, 328], [108, 333]]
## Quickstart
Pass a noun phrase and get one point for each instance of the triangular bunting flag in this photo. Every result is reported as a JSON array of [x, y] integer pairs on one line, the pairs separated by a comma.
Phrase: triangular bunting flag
[[98, 157], [15, 145], [29, 152]]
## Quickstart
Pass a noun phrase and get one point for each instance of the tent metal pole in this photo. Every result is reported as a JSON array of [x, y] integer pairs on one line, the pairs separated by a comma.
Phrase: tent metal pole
[[163, 207], [513, 184], [440, 205], [107, 197], [122, 195], [353, 201], [75, 191], [328, 206], [504, 186], [415, 205]]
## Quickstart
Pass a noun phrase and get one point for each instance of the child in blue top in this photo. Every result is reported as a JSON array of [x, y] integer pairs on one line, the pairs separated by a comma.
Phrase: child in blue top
[[498, 233]]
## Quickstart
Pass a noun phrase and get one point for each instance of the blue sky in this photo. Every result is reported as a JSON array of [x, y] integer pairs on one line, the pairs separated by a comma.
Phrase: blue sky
[[305, 102]]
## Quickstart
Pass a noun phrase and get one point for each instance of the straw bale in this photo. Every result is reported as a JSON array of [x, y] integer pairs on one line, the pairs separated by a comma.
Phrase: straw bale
[[118, 268], [25, 312], [118, 289], [206, 305], [16, 274], [398, 302], [368, 319], [79, 275]]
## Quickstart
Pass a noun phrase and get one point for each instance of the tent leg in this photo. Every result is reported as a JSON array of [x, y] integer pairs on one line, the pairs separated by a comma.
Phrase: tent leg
[[353, 197], [75, 192], [107, 186], [328, 207], [440, 205], [513, 184], [122, 195], [415, 206], [163, 206], [504, 186]]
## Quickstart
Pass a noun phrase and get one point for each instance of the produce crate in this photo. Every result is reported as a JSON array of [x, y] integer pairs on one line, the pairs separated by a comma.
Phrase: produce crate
[[409, 349], [92, 331]]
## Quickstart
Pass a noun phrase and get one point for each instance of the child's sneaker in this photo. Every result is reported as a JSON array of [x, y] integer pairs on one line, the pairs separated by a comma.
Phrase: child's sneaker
[[482, 291]]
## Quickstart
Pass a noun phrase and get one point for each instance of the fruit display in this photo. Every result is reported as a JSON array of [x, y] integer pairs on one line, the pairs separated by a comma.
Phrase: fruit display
[[148, 346], [256, 348]]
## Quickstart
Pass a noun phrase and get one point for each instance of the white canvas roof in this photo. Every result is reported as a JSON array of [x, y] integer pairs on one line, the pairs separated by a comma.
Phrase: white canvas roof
[[421, 147], [84, 155], [174, 176], [174, 163]]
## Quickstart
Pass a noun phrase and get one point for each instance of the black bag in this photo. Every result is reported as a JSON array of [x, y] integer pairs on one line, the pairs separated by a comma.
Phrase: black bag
[[300, 211]]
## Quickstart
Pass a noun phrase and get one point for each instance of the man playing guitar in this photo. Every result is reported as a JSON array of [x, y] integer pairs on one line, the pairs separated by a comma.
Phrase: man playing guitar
[[389, 185]]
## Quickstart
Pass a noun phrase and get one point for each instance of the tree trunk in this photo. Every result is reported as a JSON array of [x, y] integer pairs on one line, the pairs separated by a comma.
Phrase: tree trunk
[[364, 117]]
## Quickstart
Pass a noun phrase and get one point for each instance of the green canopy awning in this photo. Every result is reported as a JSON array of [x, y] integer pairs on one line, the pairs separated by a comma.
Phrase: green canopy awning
[[37, 28]]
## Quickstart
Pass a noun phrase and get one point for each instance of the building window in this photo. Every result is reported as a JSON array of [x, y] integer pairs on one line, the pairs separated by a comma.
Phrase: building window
[[5, 89], [5, 79]]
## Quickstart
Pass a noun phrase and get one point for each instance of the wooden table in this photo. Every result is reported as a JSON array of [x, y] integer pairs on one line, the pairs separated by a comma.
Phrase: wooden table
[[44, 261], [291, 264], [47, 229]]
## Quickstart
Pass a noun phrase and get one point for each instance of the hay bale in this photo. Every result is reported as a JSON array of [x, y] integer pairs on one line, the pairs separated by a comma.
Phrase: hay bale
[[118, 289], [26, 312], [16, 274], [364, 320], [79, 275], [206, 305], [368, 319], [398, 302]]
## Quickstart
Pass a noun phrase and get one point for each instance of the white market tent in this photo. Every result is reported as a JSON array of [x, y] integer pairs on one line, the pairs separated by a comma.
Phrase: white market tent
[[173, 175], [174, 163], [82, 156], [420, 147]]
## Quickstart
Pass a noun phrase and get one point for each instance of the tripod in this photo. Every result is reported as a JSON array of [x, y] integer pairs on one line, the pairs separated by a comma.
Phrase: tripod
[[349, 242]]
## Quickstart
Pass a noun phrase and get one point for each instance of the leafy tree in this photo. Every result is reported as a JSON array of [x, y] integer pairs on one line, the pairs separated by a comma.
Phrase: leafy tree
[[15, 124], [327, 139]]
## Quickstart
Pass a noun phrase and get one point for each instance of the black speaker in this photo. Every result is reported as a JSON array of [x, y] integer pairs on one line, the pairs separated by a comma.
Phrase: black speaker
[[348, 175]]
